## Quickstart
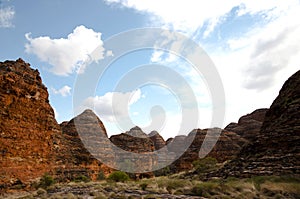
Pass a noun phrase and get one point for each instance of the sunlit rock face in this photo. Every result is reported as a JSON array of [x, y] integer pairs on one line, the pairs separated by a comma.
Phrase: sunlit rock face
[[29, 133]]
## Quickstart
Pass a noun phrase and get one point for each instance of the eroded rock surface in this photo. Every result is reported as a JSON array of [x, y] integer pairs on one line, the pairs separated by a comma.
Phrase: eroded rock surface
[[29, 133], [224, 145], [249, 125], [277, 148], [133, 150], [85, 158], [157, 140]]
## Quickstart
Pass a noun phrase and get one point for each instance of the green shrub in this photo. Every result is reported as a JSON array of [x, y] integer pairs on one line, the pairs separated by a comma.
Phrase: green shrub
[[46, 181], [163, 171], [286, 179], [205, 165], [101, 176], [174, 184], [118, 176], [258, 180], [82, 178], [143, 186]]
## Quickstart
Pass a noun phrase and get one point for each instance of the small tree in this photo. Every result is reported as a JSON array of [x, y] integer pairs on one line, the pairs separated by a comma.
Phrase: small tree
[[118, 176], [46, 181], [205, 165]]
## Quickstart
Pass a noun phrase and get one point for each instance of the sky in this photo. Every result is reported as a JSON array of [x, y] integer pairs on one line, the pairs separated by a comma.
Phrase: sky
[[253, 45]]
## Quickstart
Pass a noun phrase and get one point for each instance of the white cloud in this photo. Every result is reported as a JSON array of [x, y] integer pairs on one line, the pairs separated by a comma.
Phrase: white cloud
[[250, 62], [258, 60], [135, 113], [181, 15], [268, 50], [6, 16], [64, 91], [67, 55], [261, 60], [109, 53], [112, 104], [189, 15]]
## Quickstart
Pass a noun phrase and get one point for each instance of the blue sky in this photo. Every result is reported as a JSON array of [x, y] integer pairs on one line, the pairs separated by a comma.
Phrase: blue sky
[[254, 46]]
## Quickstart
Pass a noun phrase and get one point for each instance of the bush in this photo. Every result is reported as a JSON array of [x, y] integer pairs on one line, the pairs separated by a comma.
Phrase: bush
[[143, 186], [205, 165], [46, 181], [101, 176], [82, 178], [204, 189], [118, 176], [174, 184], [163, 171]]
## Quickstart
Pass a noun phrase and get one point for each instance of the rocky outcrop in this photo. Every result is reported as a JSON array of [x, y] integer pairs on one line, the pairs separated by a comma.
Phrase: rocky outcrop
[[277, 148], [78, 158], [224, 147], [31, 141], [249, 125], [157, 140], [134, 140], [29, 133], [133, 151]]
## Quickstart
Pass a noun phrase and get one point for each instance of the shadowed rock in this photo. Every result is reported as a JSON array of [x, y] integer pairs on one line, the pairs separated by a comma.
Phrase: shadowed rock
[[158, 141], [249, 125], [277, 148]]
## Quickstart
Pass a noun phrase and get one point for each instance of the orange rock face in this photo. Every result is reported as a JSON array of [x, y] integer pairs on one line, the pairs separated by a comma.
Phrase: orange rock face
[[28, 129], [77, 159], [31, 141]]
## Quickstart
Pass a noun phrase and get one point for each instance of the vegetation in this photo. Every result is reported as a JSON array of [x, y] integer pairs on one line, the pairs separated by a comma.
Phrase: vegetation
[[82, 178], [162, 187], [143, 186], [46, 181], [163, 171], [118, 176], [101, 176], [205, 165]]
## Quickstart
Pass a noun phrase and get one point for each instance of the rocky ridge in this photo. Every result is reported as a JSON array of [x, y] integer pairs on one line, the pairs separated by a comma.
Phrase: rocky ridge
[[227, 146], [29, 133], [80, 161], [132, 142], [266, 141], [248, 126], [277, 148]]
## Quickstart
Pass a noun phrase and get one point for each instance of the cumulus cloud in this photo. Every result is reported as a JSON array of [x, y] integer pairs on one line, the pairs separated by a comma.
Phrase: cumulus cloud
[[67, 55], [6, 16], [112, 104], [64, 91]]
